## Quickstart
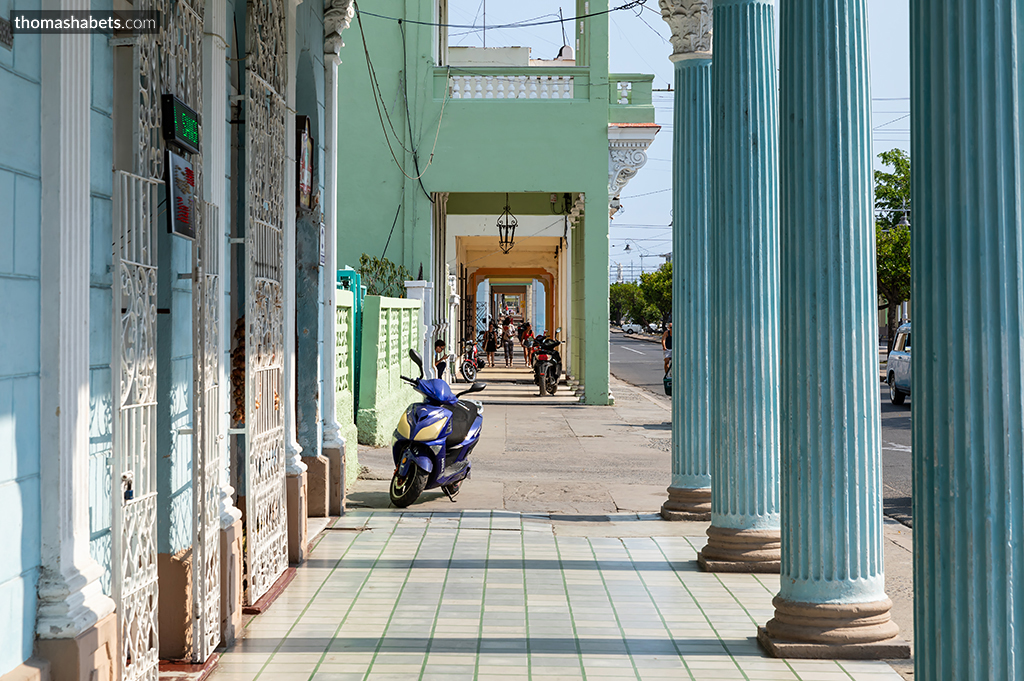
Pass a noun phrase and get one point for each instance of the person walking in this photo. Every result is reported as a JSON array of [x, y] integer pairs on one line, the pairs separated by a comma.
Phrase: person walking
[[666, 345], [491, 343], [506, 340], [527, 343]]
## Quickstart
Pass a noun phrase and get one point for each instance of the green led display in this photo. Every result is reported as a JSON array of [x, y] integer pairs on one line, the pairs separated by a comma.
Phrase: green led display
[[180, 124]]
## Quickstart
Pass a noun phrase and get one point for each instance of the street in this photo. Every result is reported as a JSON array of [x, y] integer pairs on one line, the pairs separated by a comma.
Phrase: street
[[639, 362]]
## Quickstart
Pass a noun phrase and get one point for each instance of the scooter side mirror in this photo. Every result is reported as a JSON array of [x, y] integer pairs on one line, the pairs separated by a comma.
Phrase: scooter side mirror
[[415, 357], [475, 388]]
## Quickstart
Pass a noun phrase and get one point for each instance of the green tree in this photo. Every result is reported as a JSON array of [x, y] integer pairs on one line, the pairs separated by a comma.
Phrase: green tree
[[892, 240], [656, 289], [383, 277], [619, 296]]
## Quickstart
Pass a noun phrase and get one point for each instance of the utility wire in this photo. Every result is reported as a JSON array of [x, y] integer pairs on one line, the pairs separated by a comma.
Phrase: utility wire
[[516, 24]]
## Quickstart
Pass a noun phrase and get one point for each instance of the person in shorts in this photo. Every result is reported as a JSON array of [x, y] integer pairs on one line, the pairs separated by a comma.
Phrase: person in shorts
[[440, 358], [666, 346]]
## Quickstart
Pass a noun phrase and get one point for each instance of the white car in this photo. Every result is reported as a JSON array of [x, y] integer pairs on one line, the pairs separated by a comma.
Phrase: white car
[[630, 327]]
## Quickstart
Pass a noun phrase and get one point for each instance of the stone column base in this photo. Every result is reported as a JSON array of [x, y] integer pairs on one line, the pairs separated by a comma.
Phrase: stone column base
[[297, 494], [90, 656], [29, 670], [687, 504], [231, 582], [833, 631], [336, 482], [175, 598], [318, 473], [730, 550]]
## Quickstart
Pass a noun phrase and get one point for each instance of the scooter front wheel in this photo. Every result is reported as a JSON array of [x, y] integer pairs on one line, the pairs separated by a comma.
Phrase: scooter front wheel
[[404, 491], [468, 371]]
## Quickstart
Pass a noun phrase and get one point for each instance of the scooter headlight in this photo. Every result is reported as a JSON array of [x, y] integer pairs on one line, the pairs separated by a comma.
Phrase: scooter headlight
[[404, 430], [430, 431]]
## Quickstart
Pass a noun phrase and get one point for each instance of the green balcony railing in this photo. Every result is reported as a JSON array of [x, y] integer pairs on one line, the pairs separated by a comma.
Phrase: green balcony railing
[[629, 98]]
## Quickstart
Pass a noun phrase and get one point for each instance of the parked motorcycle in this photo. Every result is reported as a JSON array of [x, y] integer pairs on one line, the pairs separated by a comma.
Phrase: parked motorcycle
[[434, 439], [547, 365], [471, 360]]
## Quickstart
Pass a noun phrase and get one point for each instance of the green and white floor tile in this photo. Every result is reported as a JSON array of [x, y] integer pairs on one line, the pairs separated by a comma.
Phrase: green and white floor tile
[[497, 596]]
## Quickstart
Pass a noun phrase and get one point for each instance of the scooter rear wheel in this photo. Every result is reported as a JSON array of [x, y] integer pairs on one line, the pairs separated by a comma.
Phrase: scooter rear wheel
[[542, 384], [404, 491]]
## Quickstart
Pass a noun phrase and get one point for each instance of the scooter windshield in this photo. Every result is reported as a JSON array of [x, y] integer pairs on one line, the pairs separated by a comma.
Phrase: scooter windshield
[[436, 390]]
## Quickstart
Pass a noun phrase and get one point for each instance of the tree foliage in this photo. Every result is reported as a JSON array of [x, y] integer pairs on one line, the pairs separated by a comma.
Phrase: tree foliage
[[383, 277], [647, 301], [892, 240]]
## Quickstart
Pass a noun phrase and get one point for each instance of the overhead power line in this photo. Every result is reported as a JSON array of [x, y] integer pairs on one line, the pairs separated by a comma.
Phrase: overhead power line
[[515, 24]]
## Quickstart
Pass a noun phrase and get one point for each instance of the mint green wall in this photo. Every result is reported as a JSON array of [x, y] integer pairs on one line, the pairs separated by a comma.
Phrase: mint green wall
[[482, 146], [344, 381], [391, 326]]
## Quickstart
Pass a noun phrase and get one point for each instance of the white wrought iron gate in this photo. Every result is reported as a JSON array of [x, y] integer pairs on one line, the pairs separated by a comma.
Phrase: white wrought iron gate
[[208, 439], [266, 524], [133, 384]]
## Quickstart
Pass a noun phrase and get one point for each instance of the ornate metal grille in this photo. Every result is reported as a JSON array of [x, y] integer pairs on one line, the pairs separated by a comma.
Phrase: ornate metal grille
[[208, 438], [168, 61], [266, 513], [133, 493]]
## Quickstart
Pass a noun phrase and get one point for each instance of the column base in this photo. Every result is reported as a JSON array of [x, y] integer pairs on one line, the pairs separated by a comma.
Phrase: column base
[[31, 669], [297, 495], [336, 482], [90, 655], [175, 612], [687, 504], [833, 631], [231, 582], [318, 472], [730, 550]]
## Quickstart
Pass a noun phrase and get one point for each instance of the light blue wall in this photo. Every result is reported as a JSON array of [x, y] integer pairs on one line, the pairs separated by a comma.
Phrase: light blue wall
[[100, 303], [19, 343]]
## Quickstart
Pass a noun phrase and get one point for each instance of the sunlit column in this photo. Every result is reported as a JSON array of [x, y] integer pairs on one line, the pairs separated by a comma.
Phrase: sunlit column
[[689, 495], [832, 600], [967, 61], [743, 284]]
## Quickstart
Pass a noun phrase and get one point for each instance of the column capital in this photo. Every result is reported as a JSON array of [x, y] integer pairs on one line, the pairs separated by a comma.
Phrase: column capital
[[338, 16], [691, 24]]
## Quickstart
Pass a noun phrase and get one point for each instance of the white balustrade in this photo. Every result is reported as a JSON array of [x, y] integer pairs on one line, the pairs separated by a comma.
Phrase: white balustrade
[[473, 86], [625, 92]]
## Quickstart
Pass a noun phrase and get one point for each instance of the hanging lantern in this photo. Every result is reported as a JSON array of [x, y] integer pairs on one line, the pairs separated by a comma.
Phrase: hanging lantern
[[507, 228]]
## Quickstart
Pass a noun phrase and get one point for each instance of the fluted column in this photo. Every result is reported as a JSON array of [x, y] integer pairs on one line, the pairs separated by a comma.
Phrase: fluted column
[[832, 600], [743, 283], [689, 495], [967, 58]]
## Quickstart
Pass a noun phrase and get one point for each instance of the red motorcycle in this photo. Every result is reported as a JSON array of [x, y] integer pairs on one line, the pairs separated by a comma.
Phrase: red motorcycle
[[471, 360]]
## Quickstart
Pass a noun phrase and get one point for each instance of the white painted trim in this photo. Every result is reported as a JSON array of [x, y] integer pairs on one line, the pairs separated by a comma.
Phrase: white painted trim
[[70, 597], [328, 359]]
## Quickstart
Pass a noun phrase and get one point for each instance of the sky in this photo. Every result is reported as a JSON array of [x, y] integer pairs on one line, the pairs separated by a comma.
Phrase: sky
[[639, 44]]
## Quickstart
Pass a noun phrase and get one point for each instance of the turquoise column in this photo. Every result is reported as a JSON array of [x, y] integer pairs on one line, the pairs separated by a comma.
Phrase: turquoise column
[[967, 65], [689, 496], [832, 600], [743, 281]]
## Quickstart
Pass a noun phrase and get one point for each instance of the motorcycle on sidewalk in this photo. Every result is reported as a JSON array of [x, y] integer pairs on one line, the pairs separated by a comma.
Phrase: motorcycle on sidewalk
[[547, 365], [434, 439], [471, 360]]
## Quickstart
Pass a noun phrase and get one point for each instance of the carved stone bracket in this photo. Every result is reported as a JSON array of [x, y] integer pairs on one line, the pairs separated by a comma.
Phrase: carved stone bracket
[[691, 24], [627, 153], [338, 16]]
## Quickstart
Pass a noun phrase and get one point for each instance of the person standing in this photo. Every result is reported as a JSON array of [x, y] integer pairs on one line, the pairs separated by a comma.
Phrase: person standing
[[666, 345], [491, 343]]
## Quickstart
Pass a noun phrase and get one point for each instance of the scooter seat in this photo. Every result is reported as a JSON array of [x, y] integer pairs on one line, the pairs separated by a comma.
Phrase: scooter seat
[[463, 416]]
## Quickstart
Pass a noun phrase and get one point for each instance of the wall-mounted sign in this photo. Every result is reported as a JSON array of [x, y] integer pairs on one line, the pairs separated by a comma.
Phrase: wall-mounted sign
[[323, 244], [181, 196], [180, 124], [304, 152], [6, 34]]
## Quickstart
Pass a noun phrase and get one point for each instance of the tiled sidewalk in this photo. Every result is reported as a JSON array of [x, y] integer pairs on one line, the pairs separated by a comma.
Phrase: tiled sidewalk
[[499, 596]]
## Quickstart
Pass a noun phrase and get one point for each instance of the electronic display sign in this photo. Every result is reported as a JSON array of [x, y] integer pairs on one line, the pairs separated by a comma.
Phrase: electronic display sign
[[180, 124]]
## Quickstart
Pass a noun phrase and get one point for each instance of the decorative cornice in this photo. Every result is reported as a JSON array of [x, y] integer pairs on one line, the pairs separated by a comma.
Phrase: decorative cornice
[[338, 16], [690, 21]]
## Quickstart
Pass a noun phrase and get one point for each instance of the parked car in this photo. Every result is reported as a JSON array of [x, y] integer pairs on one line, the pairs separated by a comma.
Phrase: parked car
[[630, 327], [897, 368]]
